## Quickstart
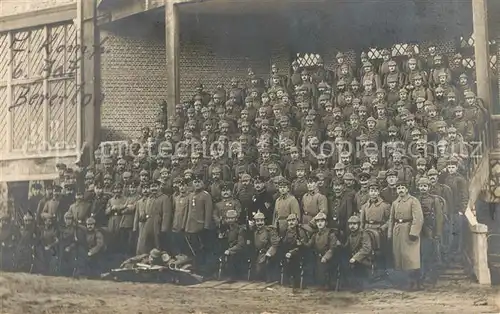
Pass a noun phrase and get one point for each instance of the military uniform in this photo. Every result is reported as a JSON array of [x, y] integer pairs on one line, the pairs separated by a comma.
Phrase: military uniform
[[406, 219]]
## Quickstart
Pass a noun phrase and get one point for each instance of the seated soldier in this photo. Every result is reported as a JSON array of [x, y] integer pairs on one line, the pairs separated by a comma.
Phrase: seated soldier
[[232, 238], [360, 251], [264, 247], [323, 243], [293, 248]]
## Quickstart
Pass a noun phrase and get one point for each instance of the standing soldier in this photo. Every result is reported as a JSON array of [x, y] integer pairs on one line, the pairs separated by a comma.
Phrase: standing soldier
[[163, 213], [458, 186], [432, 229], [178, 243], [114, 210], [98, 207], [405, 225], [313, 202], [80, 209], [226, 204], [199, 220], [265, 241], [53, 207], [262, 201], [285, 205], [375, 216], [143, 224], [127, 221]]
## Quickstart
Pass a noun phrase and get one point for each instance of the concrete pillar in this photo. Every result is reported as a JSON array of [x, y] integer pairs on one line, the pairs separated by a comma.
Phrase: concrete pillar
[[482, 50], [172, 31]]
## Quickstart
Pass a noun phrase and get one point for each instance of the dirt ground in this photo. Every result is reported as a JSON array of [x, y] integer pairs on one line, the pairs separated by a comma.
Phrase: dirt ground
[[24, 293]]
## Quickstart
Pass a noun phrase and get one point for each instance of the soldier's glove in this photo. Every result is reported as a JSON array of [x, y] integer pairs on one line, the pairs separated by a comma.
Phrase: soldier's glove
[[226, 252], [46, 248], [89, 254], [299, 243], [268, 255], [324, 260], [352, 261], [68, 249], [413, 237], [288, 255]]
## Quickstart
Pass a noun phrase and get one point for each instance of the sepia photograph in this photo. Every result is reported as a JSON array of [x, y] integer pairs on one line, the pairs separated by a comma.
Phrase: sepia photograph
[[249, 156]]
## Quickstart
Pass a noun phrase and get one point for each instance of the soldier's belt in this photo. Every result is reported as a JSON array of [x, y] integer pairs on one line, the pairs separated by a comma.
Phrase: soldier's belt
[[373, 222], [402, 221]]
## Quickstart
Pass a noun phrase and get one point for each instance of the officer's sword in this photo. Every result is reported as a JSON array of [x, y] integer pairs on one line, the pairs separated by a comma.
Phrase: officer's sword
[[190, 246]]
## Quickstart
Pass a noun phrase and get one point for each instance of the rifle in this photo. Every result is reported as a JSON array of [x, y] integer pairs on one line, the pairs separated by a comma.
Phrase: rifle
[[301, 265], [282, 271], [75, 266], [337, 283], [32, 258]]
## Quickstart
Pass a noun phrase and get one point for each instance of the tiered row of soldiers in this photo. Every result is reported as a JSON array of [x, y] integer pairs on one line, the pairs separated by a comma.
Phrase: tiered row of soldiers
[[327, 173]]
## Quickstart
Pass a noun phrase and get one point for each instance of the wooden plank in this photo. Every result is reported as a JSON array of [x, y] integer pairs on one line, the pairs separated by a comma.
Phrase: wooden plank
[[253, 286], [208, 284], [36, 18], [235, 285], [269, 285]]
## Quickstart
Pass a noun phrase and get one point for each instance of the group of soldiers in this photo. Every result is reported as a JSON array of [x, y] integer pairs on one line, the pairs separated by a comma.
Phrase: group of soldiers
[[321, 177]]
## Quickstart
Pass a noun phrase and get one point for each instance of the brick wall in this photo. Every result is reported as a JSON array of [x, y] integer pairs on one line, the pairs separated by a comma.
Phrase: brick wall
[[217, 48], [11, 7], [133, 70]]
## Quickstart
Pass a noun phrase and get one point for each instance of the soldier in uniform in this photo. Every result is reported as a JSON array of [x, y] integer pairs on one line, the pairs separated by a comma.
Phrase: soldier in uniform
[[265, 241], [52, 207], [114, 210], [460, 190], [313, 202], [27, 245], [262, 201], [375, 216], [72, 245], [49, 239], [80, 209], [324, 244], [293, 247], [285, 205], [432, 229], [226, 204], [127, 221], [96, 248], [233, 237], [359, 248], [405, 225], [199, 221]]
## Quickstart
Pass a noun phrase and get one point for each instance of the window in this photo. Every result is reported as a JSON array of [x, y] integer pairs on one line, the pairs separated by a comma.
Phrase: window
[[308, 59]]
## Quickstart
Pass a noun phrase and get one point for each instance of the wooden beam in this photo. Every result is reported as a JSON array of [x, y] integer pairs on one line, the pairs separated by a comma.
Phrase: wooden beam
[[90, 79], [172, 31], [482, 50], [38, 18]]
